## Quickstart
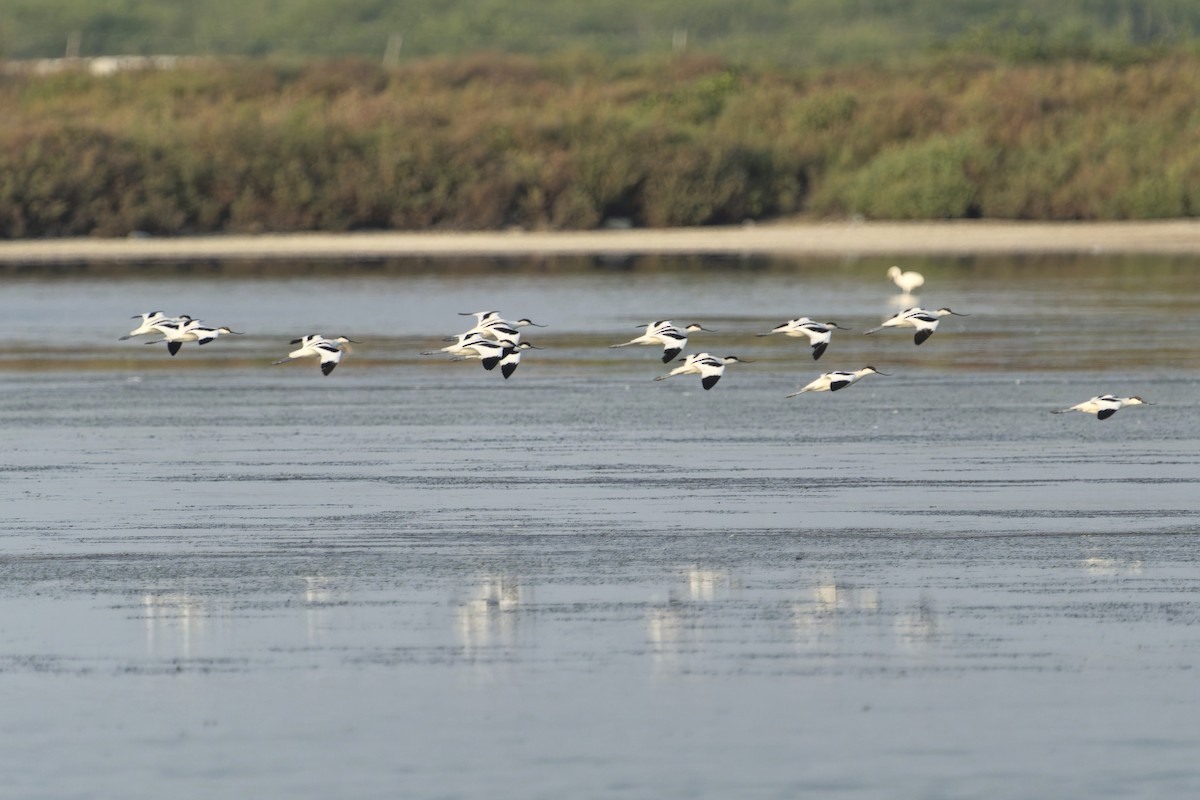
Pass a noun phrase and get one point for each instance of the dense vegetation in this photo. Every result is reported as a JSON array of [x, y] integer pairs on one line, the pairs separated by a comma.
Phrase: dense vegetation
[[570, 141], [781, 32], [667, 112]]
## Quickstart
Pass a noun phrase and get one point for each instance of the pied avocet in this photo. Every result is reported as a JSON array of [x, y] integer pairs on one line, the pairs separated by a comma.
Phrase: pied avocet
[[925, 322], [149, 320], [480, 316], [488, 351], [493, 326], [175, 332], [1104, 406], [833, 381], [665, 333], [512, 357], [710, 368], [203, 334], [180, 331], [460, 345], [819, 333], [329, 351]]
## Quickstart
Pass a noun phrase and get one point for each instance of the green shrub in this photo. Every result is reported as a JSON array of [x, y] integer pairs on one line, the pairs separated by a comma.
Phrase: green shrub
[[495, 141], [934, 178]]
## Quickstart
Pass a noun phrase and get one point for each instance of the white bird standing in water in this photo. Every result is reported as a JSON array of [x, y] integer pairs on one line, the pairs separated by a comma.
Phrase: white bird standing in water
[[665, 333], [1104, 406], [926, 322], [833, 381], [710, 368], [819, 333], [907, 281], [314, 344]]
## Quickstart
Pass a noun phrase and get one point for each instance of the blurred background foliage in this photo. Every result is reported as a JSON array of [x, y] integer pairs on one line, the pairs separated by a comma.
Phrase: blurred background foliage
[[781, 32], [556, 115]]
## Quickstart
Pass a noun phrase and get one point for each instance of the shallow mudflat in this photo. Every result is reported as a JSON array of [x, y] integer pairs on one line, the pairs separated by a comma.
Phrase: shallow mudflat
[[413, 578]]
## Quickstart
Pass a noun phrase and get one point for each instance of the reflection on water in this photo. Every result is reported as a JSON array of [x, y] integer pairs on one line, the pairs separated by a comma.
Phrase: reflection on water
[[184, 626], [320, 595], [904, 300], [918, 626], [704, 584], [181, 625], [829, 605], [699, 625], [488, 619], [377, 533], [677, 629], [672, 634], [1097, 565]]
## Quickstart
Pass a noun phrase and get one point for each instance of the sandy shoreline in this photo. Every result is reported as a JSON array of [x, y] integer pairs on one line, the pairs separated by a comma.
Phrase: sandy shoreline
[[818, 238]]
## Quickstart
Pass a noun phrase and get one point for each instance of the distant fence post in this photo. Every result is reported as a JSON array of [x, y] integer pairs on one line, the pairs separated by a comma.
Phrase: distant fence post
[[391, 53], [74, 44]]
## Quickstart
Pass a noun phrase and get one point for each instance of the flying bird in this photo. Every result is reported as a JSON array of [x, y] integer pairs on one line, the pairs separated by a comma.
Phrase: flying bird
[[185, 329], [665, 333], [833, 381], [926, 322], [710, 368], [819, 333], [1104, 406], [329, 351]]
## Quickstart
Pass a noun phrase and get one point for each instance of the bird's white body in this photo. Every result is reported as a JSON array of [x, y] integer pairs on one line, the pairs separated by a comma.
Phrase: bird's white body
[[502, 332], [833, 381], [462, 345], [149, 320], [710, 368], [185, 329], [819, 334], [664, 332], [1104, 405], [173, 328], [488, 351], [503, 350], [329, 351], [203, 334], [906, 280], [481, 316], [491, 325], [926, 322]]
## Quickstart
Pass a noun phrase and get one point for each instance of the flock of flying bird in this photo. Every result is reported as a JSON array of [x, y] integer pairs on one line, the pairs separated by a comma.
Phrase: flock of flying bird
[[496, 342]]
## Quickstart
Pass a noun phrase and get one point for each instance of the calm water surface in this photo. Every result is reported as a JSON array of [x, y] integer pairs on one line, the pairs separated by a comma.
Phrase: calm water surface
[[415, 579]]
